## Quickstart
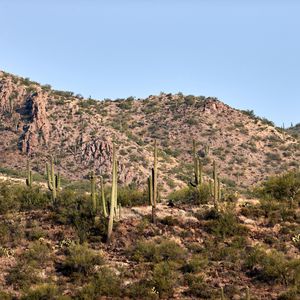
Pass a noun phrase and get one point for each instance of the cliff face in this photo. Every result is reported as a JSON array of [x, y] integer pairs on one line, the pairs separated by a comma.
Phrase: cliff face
[[36, 121]]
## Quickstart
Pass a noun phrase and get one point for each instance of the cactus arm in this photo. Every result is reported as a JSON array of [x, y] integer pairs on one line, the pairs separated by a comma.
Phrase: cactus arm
[[57, 180]]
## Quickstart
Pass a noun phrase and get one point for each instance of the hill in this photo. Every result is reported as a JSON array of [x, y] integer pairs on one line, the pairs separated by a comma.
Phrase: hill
[[36, 121]]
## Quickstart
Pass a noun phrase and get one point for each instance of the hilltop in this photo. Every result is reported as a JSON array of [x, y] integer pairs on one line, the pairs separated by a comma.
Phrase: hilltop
[[37, 121]]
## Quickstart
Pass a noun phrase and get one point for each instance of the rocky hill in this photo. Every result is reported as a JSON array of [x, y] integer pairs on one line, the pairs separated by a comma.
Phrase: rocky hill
[[294, 131], [37, 121]]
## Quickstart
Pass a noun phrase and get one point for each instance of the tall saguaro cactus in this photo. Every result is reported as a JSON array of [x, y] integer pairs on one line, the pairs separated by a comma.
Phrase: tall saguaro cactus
[[197, 167], [114, 196], [103, 200], [152, 184], [29, 179], [53, 179], [93, 191], [216, 186]]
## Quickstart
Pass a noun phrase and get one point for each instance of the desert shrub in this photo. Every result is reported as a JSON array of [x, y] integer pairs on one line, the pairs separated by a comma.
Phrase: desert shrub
[[23, 275], [76, 211], [128, 196], [27, 271], [38, 252], [81, 261], [291, 294], [142, 289], [10, 232], [104, 283], [158, 251], [197, 287], [170, 221], [8, 199], [43, 291], [282, 187], [164, 279], [272, 267], [191, 195], [225, 225], [196, 264], [14, 197], [5, 296]]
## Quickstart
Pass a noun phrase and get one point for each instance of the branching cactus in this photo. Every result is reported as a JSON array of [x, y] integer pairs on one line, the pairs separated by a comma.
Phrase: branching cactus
[[103, 200], [53, 180], [152, 185], [114, 195], [93, 191], [29, 179]]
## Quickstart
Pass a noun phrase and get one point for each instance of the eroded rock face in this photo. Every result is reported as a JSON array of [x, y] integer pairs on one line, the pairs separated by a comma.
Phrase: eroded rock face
[[99, 153], [213, 105], [36, 125]]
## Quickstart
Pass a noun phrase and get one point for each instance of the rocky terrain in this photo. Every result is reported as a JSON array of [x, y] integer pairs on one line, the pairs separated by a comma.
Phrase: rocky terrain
[[294, 131], [183, 237], [37, 121], [192, 252]]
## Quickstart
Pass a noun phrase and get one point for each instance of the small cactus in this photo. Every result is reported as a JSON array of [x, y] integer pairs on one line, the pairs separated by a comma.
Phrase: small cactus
[[29, 179], [53, 179]]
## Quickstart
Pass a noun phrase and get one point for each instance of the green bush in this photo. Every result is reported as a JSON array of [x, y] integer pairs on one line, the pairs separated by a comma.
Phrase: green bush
[[164, 250], [283, 187], [198, 288], [226, 225], [164, 279], [272, 267], [43, 292], [142, 289], [128, 196], [14, 197], [104, 283], [191, 195], [81, 261]]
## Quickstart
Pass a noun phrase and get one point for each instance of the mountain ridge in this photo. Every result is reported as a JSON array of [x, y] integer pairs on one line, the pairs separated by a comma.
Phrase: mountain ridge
[[37, 121]]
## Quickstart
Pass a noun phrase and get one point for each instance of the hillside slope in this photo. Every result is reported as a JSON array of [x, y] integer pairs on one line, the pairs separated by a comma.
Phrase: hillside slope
[[36, 121]]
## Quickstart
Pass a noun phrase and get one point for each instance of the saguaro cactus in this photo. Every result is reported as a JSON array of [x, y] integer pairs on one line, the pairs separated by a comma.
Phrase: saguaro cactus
[[216, 193], [103, 200], [152, 184], [197, 168], [53, 179], [247, 293], [222, 294], [113, 201], [93, 191], [29, 179]]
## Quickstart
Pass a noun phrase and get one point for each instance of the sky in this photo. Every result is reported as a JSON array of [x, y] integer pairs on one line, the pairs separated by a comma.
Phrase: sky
[[246, 53]]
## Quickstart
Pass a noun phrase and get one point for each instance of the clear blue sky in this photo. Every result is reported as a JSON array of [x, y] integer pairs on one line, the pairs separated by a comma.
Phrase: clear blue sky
[[246, 53]]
